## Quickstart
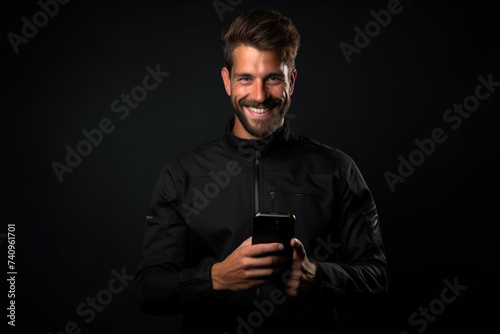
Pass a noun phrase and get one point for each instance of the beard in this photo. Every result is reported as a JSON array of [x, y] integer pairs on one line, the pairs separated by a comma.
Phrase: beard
[[261, 128]]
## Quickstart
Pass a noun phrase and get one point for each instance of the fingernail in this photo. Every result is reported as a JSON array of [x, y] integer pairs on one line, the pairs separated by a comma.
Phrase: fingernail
[[281, 247]]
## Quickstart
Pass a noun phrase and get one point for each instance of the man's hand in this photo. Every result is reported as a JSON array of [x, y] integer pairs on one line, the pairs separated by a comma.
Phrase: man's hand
[[302, 273], [248, 266]]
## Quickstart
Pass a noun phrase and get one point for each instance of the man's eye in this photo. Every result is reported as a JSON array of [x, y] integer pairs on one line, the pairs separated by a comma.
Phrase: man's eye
[[245, 79], [274, 79]]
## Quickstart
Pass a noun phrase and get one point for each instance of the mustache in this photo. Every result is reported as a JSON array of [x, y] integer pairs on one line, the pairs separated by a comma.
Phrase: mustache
[[269, 103]]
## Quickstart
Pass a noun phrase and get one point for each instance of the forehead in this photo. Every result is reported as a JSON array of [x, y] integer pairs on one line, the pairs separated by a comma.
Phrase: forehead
[[252, 60]]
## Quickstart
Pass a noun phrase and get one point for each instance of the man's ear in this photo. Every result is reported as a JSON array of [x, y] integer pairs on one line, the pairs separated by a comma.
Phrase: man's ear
[[293, 77], [226, 79]]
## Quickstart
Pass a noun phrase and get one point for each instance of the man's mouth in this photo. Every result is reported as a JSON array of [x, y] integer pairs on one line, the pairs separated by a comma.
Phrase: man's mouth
[[259, 110]]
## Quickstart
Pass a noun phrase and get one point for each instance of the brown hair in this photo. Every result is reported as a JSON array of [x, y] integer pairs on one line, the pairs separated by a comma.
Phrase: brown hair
[[263, 30]]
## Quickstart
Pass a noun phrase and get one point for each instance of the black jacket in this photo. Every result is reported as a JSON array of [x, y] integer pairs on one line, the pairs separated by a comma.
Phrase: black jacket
[[202, 209]]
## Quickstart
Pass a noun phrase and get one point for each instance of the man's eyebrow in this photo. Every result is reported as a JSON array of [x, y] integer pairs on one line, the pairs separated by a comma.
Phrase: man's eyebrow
[[276, 74], [240, 75], [273, 74]]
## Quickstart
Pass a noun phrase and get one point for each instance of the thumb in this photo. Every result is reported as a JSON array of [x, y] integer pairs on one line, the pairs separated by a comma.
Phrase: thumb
[[247, 242], [298, 247]]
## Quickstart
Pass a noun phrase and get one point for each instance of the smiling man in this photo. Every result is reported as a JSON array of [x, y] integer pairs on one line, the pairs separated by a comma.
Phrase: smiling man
[[198, 256], [260, 89]]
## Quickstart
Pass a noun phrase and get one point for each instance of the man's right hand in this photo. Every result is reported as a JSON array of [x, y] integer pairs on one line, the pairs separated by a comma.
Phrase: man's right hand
[[248, 266]]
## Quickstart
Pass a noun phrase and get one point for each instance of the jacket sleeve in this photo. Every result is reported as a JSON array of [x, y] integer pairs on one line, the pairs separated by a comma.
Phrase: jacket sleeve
[[359, 267], [164, 284]]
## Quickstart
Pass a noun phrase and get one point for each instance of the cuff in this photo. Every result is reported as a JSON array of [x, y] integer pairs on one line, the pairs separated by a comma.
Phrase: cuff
[[317, 287]]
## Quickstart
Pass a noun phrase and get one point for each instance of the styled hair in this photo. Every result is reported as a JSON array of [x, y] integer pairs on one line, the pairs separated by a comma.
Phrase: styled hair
[[262, 30]]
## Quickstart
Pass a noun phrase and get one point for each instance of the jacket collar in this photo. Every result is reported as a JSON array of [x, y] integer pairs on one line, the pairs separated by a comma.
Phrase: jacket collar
[[247, 148]]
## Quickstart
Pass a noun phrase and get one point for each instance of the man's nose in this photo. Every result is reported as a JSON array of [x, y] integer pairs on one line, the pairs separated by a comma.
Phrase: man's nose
[[259, 91]]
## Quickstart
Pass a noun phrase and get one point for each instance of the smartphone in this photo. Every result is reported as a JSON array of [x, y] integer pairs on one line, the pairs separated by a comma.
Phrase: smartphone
[[274, 227]]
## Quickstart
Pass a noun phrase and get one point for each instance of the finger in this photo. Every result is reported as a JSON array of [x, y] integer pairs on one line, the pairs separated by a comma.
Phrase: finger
[[291, 291], [297, 263], [264, 249], [247, 242], [293, 284], [267, 261], [262, 274], [295, 275], [256, 282], [298, 248]]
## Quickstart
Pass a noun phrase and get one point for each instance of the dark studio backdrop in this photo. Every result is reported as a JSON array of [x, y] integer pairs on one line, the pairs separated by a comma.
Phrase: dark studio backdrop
[[387, 91]]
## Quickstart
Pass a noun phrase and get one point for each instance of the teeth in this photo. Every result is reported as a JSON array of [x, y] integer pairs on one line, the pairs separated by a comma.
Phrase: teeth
[[258, 111]]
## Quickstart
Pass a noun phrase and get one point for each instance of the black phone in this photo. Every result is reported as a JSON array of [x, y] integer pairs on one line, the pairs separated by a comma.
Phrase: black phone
[[274, 227]]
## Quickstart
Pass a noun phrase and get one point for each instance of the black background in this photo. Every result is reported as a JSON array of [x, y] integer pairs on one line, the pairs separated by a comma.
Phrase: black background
[[439, 224]]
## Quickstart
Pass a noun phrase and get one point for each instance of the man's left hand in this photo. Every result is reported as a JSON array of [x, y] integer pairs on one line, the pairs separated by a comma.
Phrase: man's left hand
[[302, 272]]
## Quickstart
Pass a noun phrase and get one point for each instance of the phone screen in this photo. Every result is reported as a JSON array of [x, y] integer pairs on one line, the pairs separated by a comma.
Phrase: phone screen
[[274, 227]]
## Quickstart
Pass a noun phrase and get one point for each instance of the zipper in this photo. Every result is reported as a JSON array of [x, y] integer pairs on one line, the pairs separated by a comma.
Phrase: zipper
[[256, 184], [256, 200], [273, 195]]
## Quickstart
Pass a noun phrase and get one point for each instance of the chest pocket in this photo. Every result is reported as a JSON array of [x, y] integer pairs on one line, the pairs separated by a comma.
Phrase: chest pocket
[[308, 197]]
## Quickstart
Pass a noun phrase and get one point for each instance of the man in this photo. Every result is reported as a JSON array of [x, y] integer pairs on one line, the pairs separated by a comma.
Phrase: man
[[198, 254]]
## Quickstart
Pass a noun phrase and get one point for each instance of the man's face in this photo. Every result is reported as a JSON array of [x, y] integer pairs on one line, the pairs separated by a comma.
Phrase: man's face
[[260, 86]]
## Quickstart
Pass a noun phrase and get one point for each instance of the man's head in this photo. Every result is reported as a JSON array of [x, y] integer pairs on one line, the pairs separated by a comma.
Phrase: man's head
[[260, 49]]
